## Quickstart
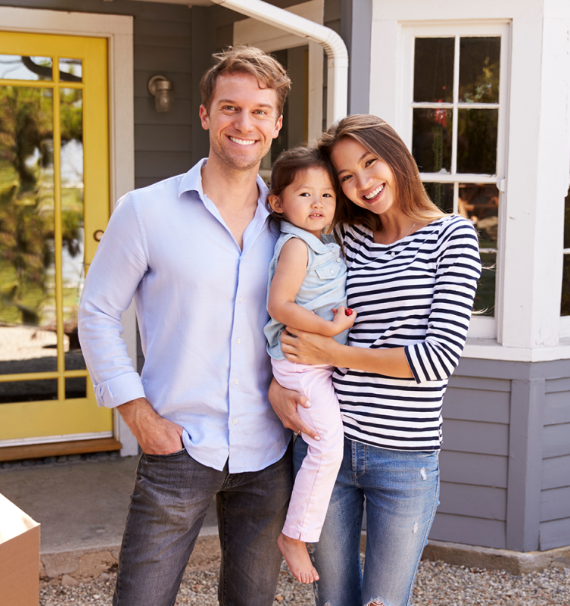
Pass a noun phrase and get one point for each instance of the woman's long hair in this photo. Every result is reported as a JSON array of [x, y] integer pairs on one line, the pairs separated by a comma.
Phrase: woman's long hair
[[380, 139]]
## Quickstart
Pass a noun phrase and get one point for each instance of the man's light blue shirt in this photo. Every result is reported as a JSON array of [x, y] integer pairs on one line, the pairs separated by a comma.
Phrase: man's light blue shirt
[[200, 303]]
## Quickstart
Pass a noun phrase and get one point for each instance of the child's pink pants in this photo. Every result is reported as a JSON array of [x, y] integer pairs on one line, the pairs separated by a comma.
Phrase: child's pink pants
[[315, 480]]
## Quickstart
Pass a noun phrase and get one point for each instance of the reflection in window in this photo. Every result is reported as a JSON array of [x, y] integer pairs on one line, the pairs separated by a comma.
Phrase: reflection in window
[[431, 145], [27, 265], [28, 391], [16, 67], [565, 306], [71, 67], [455, 135]]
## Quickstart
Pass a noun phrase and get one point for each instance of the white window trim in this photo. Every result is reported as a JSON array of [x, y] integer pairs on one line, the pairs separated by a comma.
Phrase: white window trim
[[118, 30], [481, 327]]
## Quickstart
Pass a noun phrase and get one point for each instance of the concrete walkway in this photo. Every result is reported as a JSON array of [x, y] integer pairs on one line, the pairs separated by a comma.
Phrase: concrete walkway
[[82, 507]]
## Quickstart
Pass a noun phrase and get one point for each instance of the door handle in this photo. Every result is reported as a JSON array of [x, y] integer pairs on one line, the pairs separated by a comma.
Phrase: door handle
[[97, 235]]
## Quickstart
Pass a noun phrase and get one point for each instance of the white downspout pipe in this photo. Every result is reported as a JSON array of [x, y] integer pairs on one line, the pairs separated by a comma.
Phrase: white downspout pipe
[[337, 54]]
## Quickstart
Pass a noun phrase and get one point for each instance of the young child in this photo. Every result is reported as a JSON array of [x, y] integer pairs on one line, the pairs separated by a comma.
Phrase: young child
[[307, 291]]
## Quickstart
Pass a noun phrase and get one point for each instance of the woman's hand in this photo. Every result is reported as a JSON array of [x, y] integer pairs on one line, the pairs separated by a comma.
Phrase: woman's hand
[[284, 403], [307, 347]]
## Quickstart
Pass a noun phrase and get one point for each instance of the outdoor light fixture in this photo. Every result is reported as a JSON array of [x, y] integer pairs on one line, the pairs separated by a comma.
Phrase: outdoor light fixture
[[161, 89]]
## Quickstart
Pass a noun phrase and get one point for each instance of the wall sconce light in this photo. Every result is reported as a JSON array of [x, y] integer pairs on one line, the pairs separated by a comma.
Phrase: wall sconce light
[[162, 90]]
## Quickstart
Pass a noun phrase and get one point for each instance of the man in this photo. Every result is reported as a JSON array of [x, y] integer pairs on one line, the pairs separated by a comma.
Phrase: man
[[194, 252]]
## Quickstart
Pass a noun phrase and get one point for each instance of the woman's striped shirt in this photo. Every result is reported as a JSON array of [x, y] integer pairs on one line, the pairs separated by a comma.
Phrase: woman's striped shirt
[[416, 293]]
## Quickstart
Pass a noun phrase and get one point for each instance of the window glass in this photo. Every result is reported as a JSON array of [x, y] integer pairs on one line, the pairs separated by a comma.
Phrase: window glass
[[455, 143], [433, 69], [565, 305], [431, 145], [15, 67], [479, 66], [477, 131], [70, 70]]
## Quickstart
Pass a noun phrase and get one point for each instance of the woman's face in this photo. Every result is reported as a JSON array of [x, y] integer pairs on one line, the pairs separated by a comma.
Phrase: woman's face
[[366, 180]]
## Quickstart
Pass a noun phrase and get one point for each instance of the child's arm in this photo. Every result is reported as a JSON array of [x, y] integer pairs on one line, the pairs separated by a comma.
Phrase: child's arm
[[289, 275]]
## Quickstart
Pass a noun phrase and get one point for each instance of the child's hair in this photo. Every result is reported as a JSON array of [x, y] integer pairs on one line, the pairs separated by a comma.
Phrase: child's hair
[[244, 59], [380, 139], [289, 164]]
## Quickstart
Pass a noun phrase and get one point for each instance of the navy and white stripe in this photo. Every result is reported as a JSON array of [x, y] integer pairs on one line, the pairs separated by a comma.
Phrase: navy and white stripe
[[416, 293]]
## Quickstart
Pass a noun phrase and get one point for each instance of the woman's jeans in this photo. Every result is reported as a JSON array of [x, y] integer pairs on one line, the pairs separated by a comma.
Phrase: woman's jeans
[[401, 490]]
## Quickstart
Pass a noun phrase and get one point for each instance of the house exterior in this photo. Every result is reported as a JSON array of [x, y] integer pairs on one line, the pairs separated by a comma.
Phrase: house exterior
[[479, 91]]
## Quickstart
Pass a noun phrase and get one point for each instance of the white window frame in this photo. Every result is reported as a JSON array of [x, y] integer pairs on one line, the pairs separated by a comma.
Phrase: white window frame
[[481, 327], [118, 30]]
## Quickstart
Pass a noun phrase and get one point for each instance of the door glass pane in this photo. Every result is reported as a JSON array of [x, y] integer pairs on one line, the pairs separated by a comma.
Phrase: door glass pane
[[477, 141], [28, 391], [15, 67], [441, 194], [27, 270], [479, 202], [70, 70], [75, 387], [431, 141], [73, 250], [433, 70], [479, 66], [485, 296]]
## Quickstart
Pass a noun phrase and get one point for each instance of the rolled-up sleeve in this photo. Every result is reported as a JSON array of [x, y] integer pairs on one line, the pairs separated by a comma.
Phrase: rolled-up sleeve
[[458, 269], [119, 265]]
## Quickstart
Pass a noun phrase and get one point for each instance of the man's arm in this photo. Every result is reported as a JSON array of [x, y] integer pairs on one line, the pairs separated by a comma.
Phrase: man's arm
[[112, 279]]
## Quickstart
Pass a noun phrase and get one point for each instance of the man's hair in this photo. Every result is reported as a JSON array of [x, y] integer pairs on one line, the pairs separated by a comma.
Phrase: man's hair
[[244, 59]]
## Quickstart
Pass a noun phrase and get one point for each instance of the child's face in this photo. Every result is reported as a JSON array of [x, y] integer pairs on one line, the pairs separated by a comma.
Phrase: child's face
[[309, 202]]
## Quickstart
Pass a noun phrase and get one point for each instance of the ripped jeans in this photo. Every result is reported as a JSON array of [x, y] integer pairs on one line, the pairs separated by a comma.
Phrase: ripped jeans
[[401, 490]]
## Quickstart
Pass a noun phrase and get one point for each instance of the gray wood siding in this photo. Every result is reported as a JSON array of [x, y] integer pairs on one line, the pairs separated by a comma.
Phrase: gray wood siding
[[555, 481], [474, 462]]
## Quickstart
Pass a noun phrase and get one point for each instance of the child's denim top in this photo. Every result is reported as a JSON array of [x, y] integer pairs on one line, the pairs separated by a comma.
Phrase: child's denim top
[[323, 287]]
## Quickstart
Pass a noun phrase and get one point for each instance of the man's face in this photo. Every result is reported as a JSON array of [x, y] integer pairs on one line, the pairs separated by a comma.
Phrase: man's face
[[242, 121]]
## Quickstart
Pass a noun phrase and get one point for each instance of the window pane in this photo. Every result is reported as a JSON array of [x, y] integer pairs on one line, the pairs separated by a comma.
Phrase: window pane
[[485, 296], [75, 387], [28, 341], [73, 261], [479, 68], [441, 194], [28, 391], [431, 141], [15, 67], [70, 70], [480, 204], [567, 221], [433, 70], [477, 141]]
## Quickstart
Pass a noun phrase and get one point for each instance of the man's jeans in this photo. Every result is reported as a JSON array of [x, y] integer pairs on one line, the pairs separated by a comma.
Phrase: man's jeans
[[400, 489], [171, 496]]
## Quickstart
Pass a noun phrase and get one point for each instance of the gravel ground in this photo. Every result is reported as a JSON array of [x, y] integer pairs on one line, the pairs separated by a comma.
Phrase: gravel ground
[[438, 584]]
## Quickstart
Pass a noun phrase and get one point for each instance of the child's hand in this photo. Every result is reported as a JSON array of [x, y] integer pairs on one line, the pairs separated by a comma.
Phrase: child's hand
[[343, 319]]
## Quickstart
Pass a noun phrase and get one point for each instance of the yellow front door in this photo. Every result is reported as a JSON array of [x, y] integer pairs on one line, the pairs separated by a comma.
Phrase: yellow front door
[[54, 201]]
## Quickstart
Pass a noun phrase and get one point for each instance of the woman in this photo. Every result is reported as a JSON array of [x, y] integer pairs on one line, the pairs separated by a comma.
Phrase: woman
[[412, 276]]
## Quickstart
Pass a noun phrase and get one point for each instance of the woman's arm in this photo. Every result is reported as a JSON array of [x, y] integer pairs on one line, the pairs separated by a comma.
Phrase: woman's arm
[[289, 275], [308, 348]]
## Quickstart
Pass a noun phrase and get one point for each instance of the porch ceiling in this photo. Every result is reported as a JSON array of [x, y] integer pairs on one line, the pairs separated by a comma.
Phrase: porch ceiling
[[186, 2]]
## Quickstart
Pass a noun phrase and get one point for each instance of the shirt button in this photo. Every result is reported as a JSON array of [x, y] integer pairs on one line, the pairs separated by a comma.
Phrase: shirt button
[[392, 254], [234, 421], [338, 260], [239, 300], [332, 271], [236, 381], [238, 340]]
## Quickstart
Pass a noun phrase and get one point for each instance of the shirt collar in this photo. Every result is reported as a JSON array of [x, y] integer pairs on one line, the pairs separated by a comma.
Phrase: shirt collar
[[317, 245], [192, 181]]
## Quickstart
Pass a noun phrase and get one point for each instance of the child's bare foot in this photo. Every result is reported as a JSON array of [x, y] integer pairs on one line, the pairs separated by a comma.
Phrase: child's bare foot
[[297, 557]]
